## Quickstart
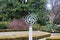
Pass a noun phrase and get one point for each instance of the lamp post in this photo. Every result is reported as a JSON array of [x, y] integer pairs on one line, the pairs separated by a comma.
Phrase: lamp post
[[30, 20]]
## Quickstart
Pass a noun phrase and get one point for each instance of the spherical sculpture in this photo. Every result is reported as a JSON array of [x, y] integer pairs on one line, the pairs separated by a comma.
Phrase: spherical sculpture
[[30, 19]]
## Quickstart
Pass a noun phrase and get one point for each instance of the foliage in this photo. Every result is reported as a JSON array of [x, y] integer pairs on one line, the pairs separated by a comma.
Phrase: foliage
[[57, 28], [16, 9], [46, 28], [3, 25], [36, 26], [10, 9], [17, 24], [38, 7], [54, 13]]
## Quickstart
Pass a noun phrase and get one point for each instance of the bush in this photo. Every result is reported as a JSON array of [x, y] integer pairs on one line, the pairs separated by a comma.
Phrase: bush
[[36, 26], [3, 25], [57, 28], [46, 28], [17, 24]]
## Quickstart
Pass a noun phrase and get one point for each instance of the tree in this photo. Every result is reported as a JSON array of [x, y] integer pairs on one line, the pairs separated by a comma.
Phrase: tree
[[38, 7], [53, 7], [54, 13], [10, 9]]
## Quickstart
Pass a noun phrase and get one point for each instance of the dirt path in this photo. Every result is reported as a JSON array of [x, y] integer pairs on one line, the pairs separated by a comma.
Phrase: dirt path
[[23, 32], [15, 33], [55, 34]]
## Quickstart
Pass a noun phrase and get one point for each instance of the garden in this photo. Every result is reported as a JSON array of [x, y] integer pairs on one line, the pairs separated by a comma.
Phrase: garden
[[13, 12]]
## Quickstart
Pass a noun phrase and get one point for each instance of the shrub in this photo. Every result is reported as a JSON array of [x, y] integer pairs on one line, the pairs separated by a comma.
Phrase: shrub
[[17, 24], [57, 28], [36, 26], [3, 25]]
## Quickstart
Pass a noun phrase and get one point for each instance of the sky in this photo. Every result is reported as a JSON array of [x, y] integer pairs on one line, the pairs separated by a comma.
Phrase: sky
[[51, 3]]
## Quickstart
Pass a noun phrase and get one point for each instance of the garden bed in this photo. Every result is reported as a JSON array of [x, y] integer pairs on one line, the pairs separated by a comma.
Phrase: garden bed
[[11, 30]]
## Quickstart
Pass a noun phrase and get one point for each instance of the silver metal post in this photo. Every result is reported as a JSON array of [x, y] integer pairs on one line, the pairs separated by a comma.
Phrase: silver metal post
[[30, 32]]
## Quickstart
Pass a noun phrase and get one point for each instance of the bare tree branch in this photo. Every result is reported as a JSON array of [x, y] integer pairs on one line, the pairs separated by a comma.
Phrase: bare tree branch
[[55, 11]]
